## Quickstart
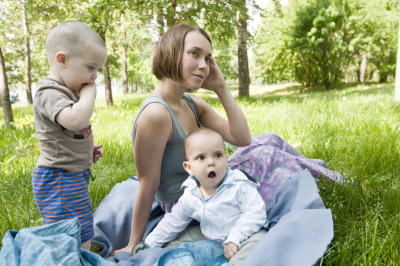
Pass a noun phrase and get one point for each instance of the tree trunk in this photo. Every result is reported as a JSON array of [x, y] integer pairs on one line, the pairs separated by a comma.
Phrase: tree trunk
[[125, 65], [27, 51], [243, 62], [106, 73], [5, 94], [358, 71], [363, 67], [326, 75], [107, 83], [383, 76]]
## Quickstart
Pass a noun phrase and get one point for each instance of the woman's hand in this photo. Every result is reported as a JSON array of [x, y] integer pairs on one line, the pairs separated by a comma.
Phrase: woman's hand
[[128, 249], [215, 79]]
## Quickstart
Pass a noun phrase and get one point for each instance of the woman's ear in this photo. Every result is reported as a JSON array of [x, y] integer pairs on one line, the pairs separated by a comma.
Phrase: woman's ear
[[61, 58], [186, 166]]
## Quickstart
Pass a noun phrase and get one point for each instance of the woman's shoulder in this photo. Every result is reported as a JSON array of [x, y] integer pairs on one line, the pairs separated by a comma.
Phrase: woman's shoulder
[[155, 112]]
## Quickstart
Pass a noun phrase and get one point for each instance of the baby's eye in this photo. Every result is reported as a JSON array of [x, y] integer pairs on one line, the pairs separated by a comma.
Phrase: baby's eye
[[91, 68], [200, 157], [218, 154]]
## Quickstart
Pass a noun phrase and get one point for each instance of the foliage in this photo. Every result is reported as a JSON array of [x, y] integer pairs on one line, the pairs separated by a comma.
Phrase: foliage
[[274, 60], [12, 41], [317, 35], [323, 42]]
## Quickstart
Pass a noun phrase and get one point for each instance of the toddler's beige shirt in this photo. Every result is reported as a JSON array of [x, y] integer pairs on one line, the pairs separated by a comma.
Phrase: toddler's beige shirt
[[59, 147]]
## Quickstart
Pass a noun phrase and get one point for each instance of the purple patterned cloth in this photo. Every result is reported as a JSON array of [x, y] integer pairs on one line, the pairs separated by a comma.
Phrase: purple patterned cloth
[[272, 161]]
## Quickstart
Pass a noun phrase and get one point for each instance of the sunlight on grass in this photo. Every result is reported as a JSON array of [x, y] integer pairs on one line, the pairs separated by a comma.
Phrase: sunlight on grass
[[354, 130]]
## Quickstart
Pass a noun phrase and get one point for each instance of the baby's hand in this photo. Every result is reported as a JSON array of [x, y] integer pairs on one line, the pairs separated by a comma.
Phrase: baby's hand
[[230, 249], [97, 153]]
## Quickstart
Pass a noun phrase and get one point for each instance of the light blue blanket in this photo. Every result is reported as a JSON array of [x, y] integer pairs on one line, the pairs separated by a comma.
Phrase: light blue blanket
[[51, 244], [300, 227]]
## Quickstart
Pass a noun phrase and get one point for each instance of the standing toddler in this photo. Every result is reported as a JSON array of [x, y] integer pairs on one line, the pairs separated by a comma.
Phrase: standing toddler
[[63, 105]]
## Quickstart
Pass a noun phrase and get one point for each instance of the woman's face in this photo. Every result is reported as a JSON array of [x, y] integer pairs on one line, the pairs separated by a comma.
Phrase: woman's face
[[196, 60]]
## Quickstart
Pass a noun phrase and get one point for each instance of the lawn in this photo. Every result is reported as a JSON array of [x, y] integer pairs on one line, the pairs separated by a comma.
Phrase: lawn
[[354, 130]]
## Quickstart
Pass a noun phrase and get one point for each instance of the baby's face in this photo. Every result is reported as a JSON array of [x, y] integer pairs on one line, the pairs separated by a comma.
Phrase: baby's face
[[81, 68], [207, 159]]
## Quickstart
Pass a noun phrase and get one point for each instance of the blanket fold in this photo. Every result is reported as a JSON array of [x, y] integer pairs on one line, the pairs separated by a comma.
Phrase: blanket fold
[[51, 244]]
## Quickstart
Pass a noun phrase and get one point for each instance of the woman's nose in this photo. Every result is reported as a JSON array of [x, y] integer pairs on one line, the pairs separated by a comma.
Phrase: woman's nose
[[203, 63]]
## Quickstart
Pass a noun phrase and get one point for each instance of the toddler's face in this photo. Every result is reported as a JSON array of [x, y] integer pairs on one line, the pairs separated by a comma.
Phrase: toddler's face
[[207, 159], [81, 68]]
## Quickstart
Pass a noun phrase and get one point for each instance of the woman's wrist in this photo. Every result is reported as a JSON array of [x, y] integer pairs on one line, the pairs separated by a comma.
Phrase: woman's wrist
[[222, 90], [132, 244]]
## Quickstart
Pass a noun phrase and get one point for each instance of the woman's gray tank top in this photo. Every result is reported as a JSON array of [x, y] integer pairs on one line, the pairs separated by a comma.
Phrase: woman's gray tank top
[[172, 172]]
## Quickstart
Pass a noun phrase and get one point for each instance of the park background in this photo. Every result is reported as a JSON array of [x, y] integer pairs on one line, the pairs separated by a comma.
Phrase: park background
[[318, 73]]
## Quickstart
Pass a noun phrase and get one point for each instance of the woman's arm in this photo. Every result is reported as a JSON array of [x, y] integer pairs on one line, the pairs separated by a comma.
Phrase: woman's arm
[[153, 129], [235, 130]]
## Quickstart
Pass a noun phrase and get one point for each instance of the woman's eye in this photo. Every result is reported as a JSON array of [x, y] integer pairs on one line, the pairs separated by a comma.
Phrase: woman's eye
[[208, 59], [194, 53], [91, 68]]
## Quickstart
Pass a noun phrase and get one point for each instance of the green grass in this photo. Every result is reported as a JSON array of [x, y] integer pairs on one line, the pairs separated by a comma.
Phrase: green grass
[[354, 130]]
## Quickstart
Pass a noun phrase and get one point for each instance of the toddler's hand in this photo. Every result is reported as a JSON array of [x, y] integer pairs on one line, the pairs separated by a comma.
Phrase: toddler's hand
[[230, 249], [97, 153], [89, 88]]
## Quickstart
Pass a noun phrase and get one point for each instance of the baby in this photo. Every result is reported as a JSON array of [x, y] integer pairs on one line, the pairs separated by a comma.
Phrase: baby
[[224, 201], [63, 105]]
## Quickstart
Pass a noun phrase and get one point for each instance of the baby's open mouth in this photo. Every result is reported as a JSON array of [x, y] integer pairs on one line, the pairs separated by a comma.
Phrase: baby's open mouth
[[212, 174]]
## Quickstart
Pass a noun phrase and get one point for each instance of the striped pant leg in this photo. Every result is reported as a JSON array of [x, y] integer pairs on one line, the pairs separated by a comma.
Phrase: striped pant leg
[[60, 195]]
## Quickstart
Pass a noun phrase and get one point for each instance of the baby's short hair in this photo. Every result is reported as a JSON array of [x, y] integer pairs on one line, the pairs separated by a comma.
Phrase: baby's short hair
[[71, 36], [167, 59], [197, 132]]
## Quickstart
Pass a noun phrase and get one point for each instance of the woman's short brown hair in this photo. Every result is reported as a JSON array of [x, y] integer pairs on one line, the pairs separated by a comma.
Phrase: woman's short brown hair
[[167, 59]]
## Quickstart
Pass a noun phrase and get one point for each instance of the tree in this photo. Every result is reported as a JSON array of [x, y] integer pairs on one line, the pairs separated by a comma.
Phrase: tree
[[384, 16], [274, 60], [5, 94], [11, 39], [100, 16], [228, 19], [317, 40], [132, 49], [27, 49], [243, 62]]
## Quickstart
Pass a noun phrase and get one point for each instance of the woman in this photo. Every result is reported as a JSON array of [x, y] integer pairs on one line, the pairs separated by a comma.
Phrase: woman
[[183, 63]]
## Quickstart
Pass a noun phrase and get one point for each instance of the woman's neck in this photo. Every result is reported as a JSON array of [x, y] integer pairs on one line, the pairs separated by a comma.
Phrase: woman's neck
[[170, 91]]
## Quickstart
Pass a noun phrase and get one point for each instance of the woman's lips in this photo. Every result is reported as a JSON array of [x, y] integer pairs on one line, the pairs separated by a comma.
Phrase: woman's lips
[[198, 76]]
